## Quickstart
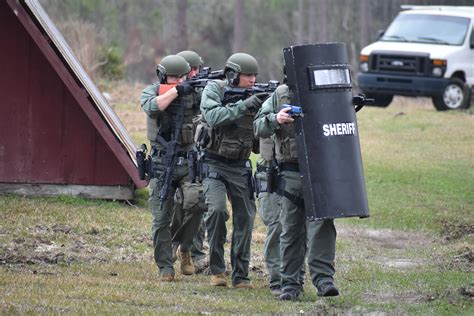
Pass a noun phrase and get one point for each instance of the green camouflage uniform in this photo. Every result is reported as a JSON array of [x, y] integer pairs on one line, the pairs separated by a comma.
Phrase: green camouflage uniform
[[163, 122], [228, 175], [318, 236]]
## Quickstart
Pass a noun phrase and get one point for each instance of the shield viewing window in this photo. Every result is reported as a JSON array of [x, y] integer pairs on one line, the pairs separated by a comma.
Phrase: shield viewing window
[[337, 76]]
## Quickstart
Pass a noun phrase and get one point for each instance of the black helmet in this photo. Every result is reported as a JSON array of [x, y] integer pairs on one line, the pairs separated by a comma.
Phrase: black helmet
[[172, 65], [192, 58]]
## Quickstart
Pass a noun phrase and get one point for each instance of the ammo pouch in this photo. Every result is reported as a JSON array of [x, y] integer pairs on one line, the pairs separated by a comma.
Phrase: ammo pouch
[[193, 197], [187, 134], [233, 141], [287, 148]]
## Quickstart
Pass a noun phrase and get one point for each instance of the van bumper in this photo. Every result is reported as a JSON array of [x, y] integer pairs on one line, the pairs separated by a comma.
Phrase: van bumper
[[401, 85]]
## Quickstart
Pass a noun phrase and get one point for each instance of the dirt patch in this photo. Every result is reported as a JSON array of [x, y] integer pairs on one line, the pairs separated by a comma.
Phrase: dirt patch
[[456, 230], [467, 292], [59, 244], [463, 260], [388, 248], [407, 298]]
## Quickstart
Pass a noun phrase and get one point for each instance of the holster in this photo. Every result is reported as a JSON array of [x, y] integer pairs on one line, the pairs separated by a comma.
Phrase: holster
[[195, 166], [273, 177], [250, 180]]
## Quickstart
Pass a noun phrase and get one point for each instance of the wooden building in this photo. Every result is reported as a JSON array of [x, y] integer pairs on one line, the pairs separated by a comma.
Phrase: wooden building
[[58, 134]]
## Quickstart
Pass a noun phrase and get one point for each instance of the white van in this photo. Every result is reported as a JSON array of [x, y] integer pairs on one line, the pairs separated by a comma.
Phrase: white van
[[426, 51]]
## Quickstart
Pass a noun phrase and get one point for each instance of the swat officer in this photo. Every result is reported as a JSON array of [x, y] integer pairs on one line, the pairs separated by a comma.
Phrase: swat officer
[[161, 102], [320, 236], [180, 217], [230, 133]]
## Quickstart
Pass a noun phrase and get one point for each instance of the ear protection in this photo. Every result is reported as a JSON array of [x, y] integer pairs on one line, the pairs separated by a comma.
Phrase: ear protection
[[161, 73], [232, 76]]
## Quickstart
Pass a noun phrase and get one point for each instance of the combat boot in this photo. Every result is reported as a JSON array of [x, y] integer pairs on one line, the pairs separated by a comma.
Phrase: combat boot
[[219, 280], [327, 289], [289, 295], [168, 277], [275, 290], [186, 263]]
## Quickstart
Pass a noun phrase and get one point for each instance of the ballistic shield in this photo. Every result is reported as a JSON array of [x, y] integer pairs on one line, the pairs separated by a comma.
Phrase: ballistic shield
[[329, 155]]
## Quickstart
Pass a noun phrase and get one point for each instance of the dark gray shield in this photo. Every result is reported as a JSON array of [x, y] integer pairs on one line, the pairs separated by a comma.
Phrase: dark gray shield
[[327, 135]]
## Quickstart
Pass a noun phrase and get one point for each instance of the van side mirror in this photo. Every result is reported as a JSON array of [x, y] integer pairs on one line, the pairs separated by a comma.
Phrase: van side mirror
[[380, 33]]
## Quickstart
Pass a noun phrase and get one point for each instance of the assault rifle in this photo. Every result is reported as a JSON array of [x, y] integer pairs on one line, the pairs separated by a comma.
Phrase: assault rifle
[[201, 79], [171, 155], [234, 94]]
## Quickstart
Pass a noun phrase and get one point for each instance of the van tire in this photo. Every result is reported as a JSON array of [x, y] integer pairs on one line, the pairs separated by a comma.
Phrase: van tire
[[381, 100], [454, 96]]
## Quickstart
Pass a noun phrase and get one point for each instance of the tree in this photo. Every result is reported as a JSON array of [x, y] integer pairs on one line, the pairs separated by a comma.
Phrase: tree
[[238, 43], [181, 38]]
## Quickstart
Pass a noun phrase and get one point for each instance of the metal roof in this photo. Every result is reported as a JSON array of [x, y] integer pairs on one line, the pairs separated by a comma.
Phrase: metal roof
[[98, 99]]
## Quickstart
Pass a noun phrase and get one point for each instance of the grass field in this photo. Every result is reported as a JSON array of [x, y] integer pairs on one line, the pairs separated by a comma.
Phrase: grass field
[[414, 255]]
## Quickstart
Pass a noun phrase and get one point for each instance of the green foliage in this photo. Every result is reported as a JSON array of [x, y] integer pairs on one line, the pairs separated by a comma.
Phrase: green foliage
[[113, 68]]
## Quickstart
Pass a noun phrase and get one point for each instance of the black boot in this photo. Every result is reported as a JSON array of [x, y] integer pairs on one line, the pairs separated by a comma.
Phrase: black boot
[[327, 289], [289, 295]]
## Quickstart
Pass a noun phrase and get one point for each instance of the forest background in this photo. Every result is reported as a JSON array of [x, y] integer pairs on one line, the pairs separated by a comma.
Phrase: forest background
[[120, 39]]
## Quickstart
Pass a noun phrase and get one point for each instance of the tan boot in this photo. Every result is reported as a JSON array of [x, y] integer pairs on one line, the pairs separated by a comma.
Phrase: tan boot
[[186, 263], [218, 280], [167, 277]]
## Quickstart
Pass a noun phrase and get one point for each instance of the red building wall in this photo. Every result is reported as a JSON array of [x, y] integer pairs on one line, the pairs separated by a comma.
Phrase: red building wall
[[45, 136]]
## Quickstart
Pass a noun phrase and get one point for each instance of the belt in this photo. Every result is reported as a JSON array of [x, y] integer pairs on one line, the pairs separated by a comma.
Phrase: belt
[[289, 166], [182, 154], [222, 158]]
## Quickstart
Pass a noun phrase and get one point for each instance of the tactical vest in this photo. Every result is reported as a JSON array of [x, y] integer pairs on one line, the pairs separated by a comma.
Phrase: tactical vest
[[164, 124], [285, 140], [266, 149], [234, 140]]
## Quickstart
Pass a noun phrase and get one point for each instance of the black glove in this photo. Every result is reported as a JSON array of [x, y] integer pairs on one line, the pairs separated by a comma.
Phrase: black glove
[[253, 103], [184, 88]]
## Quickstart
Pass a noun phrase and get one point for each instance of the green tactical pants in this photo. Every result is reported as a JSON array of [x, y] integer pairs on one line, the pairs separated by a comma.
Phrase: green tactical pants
[[188, 200], [161, 227], [197, 252], [269, 211], [318, 236], [229, 180]]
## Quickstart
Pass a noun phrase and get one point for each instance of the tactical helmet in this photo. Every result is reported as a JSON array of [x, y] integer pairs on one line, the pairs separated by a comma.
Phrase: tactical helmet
[[192, 58], [242, 63], [172, 65]]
